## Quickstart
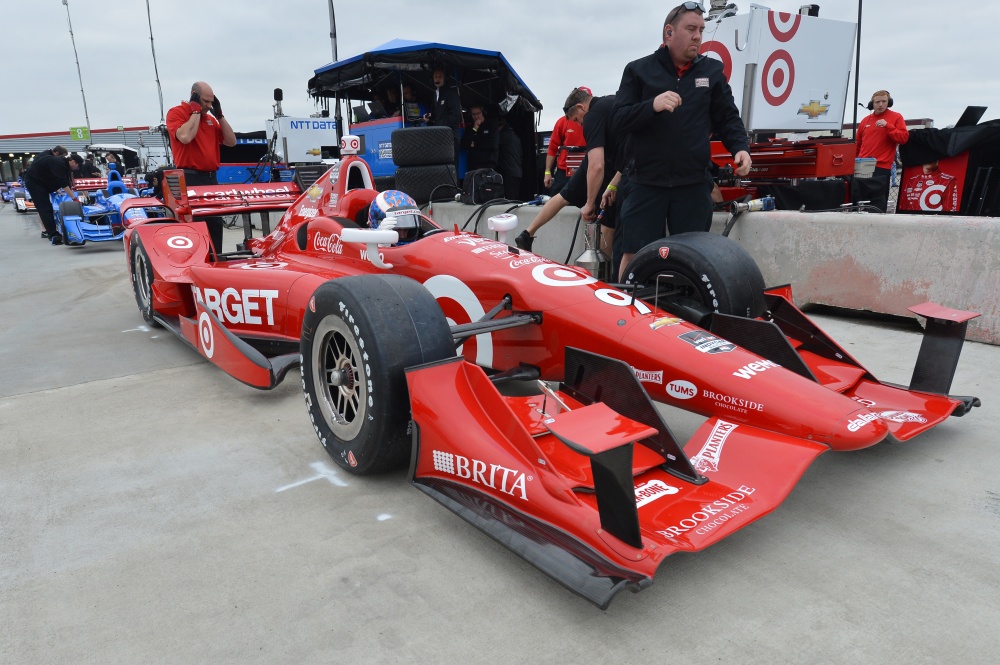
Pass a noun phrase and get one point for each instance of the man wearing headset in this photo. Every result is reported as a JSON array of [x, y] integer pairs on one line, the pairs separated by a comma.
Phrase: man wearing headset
[[878, 136], [671, 102]]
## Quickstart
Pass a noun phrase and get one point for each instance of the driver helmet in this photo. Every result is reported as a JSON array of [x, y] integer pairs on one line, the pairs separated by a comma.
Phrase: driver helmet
[[397, 211]]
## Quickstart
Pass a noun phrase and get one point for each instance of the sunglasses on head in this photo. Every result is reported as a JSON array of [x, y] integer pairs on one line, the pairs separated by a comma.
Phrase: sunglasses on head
[[687, 6]]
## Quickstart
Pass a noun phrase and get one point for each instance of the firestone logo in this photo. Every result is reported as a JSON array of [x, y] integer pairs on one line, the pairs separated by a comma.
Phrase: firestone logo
[[707, 459], [855, 424], [494, 476], [651, 491]]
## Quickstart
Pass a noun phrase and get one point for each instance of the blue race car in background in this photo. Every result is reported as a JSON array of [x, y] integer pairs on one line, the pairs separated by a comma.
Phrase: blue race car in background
[[99, 221]]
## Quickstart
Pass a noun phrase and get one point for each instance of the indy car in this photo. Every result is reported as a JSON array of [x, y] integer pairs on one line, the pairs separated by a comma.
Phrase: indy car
[[96, 221], [20, 197], [408, 340]]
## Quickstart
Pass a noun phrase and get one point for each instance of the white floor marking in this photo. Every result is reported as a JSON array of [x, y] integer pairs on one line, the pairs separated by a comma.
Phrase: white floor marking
[[383, 517], [139, 329], [323, 470]]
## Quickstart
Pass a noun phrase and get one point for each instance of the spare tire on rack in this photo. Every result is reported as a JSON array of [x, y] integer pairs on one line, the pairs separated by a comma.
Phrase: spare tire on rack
[[420, 181], [423, 146], [694, 275]]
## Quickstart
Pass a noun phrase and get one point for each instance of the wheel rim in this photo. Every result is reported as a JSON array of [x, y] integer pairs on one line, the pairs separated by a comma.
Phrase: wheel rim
[[141, 277], [337, 372]]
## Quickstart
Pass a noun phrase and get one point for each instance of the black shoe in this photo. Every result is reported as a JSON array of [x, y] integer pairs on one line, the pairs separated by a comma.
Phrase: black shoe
[[45, 234], [55, 239], [524, 241]]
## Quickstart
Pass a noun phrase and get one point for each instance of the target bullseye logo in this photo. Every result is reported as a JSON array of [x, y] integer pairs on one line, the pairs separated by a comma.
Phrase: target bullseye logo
[[551, 274], [264, 265], [719, 49], [180, 242], [206, 334], [932, 198], [778, 77], [460, 305], [783, 25]]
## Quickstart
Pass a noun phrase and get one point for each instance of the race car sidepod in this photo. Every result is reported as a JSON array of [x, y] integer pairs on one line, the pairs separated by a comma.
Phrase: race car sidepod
[[558, 479]]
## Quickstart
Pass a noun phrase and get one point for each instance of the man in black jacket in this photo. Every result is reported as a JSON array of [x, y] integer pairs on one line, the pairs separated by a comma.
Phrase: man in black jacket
[[671, 102], [447, 109], [49, 173]]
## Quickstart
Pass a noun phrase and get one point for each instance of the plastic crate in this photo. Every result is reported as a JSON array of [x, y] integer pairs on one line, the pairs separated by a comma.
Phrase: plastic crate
[[864, 167]]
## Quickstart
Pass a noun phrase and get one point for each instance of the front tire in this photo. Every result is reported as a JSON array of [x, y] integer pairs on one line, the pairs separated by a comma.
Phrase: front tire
[[693, 275], [72, 209], [141, 271], [358, 335]]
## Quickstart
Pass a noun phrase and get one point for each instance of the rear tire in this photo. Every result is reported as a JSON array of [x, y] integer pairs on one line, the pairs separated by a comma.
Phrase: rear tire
[[707, 273], [141, 272], [358, 335]]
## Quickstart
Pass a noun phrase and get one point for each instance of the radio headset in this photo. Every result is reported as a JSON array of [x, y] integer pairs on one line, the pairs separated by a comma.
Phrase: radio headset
[[871, 104]]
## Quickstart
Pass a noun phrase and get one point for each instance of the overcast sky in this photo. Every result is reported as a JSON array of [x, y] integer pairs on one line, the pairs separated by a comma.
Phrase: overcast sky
[[933, 58]]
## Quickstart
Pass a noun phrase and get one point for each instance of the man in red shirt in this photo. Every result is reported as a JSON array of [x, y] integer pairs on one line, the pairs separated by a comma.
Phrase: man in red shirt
[[197, 129], [878, 136], [567, 133]]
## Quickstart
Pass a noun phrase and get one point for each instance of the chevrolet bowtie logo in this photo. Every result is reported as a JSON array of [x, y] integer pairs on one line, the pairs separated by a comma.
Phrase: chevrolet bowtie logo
[[813, 109]]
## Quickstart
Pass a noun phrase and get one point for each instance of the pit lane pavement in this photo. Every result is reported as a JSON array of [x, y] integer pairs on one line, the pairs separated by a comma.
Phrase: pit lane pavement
[[154, 510]]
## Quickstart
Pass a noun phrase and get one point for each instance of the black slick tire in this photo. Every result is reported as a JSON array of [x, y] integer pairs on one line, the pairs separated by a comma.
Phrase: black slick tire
[[71, 208], [698, 271], [358, 335], [141, 272], [423, 146]]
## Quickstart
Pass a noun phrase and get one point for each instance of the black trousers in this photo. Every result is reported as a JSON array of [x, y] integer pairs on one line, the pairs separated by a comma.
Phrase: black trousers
[[875, 189], [43, 206], [215, 224]]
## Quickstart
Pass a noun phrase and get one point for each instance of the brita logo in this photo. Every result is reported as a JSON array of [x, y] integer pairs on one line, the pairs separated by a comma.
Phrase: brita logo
[[494, 476]]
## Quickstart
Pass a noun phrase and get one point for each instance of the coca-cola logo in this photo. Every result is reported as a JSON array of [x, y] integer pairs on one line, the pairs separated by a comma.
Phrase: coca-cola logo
[[331, 243]]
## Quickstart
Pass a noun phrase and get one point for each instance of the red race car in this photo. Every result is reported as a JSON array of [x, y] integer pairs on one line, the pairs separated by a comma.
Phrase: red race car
[[584, 479]]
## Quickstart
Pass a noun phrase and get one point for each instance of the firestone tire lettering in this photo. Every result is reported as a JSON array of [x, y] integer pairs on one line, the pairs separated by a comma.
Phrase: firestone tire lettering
[[365, 331]]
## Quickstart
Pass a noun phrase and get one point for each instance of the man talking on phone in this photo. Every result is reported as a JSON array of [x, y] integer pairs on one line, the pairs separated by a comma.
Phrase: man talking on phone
[[197, 129]]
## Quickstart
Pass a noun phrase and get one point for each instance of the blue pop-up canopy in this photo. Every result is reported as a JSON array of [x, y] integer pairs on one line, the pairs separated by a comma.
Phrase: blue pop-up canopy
[[482, 76]]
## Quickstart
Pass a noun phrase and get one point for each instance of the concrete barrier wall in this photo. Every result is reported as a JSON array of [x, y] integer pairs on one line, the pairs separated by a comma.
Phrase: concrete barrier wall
[[868, 262]]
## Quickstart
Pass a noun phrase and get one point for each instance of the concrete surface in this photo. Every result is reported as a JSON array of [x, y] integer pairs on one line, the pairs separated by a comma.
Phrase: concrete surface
[[873, 263], [153, 510]]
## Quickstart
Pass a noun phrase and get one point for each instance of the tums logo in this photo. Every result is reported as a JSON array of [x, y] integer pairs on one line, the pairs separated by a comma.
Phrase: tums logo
[[682, 389]]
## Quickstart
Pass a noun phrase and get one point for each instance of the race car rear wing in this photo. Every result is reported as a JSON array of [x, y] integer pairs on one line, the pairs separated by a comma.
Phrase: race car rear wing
[[188, 203], [94, 184]]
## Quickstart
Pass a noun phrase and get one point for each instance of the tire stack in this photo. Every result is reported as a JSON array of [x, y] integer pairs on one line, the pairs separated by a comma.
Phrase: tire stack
[[425, 159]]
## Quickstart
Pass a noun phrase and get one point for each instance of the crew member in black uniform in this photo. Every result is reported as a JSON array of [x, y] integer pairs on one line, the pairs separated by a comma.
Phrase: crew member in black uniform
[[481, 141], [48, 174], [447, 109], [671, 102]]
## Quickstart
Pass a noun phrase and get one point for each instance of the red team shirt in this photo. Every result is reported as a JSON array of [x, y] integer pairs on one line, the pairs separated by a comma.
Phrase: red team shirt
[[934, 192], [567, 133], [202, 153], [881, 142]]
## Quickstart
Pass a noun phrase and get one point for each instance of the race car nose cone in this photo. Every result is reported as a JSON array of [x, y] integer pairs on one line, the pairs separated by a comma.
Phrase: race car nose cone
[[860, 429]]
